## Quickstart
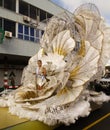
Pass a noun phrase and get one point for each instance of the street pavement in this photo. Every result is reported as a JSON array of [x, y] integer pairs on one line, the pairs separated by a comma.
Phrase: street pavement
[[97, 120]]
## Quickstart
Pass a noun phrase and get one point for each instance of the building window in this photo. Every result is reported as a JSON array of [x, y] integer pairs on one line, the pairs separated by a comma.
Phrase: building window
[[20, 31], [27, 9], [33, 12], [23, 8], [1, 22], [31, 31], [0, 2], [49, 15], [42, 15], [20, 28], [26, 30], [10, 4], [28, 33], [9, 26], [20, 36], [32, 38]]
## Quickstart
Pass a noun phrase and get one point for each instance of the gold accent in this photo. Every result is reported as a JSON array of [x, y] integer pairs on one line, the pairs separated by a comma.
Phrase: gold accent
[[97, 121], [55, 50], [60, 51], [26, 94], [42, 51], [62, 91], [74, 71], [79, 22], [82, 50]]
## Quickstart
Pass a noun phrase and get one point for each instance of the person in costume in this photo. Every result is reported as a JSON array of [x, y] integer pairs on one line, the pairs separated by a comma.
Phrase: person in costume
[[40, 75]]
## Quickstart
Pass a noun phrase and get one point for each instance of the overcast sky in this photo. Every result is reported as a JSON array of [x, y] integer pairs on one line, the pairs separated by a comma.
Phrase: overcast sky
[[71, 5]]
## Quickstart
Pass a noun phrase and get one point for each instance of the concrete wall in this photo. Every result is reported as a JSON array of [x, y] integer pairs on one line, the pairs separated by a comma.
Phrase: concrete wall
[[19, 47]]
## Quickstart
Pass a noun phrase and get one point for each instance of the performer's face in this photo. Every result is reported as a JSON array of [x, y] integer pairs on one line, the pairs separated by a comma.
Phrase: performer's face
[[39, 63]]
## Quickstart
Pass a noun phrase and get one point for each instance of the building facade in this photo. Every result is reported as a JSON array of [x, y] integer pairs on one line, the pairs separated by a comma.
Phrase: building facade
[[22, 22]]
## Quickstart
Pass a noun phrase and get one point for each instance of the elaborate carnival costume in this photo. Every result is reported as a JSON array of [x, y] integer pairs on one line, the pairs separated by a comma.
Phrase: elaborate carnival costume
[[74, 50]]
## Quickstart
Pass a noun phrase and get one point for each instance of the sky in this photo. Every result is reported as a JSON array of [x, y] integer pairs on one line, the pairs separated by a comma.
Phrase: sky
[[71, 5]]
